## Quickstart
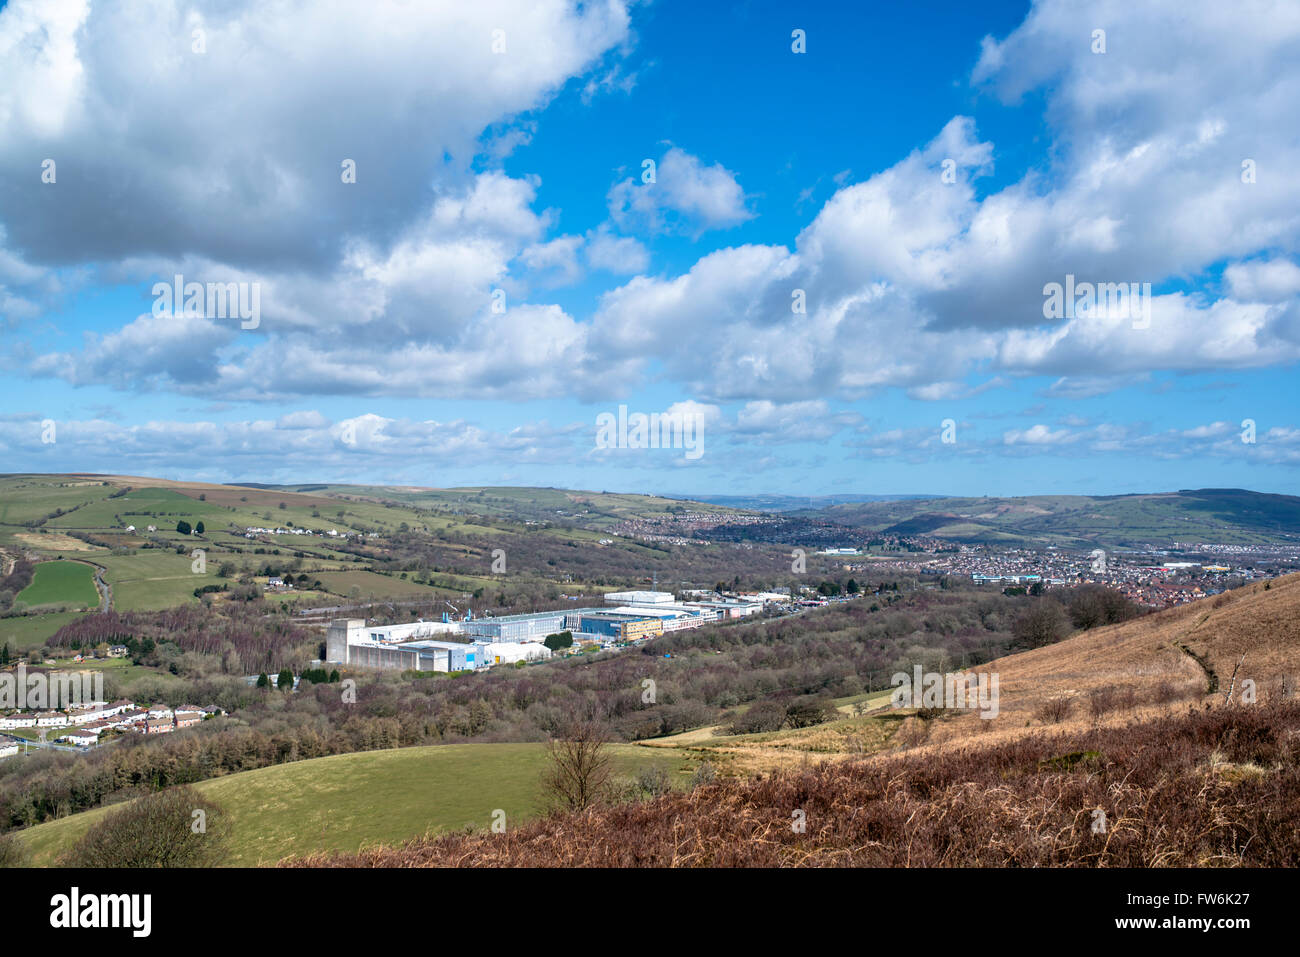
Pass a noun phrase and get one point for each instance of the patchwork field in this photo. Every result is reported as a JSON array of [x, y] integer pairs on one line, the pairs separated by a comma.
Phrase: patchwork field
[[155, 579], [363, 584], [54, 542]]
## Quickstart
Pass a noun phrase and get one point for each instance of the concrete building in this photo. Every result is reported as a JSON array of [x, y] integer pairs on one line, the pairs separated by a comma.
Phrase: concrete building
[[343, 632], [490, 641]]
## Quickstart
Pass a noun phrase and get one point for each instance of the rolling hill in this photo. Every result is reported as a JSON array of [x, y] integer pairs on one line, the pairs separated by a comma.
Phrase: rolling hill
[[1221, 516]]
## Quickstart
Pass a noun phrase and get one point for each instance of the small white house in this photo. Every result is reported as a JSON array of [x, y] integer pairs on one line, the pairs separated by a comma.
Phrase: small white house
[[81, 739]]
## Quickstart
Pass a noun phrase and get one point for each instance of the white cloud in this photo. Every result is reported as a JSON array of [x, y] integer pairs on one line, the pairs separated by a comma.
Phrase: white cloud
[[1037, 435], [912, 280], [554, 263], [256, 127], [622, 255], [1272, 280], [686, 195]]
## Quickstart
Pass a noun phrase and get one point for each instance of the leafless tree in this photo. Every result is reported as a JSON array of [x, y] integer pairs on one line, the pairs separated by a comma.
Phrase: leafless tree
[[579, 766]]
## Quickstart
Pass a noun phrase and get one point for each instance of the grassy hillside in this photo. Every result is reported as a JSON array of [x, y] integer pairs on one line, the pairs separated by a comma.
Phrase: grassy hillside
[[1146, 666], [1216, 788], [350, 801], [586, 509]]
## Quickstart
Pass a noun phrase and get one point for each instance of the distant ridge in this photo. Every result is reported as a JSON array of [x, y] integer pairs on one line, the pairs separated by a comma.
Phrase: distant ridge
[[791, 503]]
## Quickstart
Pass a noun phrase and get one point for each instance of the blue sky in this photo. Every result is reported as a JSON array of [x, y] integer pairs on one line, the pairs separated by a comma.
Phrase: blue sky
[[500, 273]]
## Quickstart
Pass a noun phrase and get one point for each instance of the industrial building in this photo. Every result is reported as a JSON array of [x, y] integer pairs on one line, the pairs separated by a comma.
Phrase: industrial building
[[638, 598], [402, 647], [534, 626], [476, 643]]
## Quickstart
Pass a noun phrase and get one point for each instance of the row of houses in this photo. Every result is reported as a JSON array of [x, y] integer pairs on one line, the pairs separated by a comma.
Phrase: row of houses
[[95, 711], [88, 724], [157, 720]]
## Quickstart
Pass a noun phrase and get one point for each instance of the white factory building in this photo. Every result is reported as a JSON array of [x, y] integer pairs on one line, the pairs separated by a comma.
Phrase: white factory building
[[639, 598], [412, 647]]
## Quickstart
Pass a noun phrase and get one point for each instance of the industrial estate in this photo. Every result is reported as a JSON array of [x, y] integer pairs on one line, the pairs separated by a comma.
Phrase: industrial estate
[[630, 617]]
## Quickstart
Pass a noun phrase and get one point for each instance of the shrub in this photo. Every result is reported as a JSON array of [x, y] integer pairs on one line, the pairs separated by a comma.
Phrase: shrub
[[161, 830], [806, 712], [1053, 710], [1101, 701], [706, 773], [654, 781], [12, 851], [1164, 692]]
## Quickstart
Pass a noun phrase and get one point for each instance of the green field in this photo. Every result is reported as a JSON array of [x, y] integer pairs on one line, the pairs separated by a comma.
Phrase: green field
[[127, 673], [157, 578], [370, 583], [347, 801], [31, 498], [32, 631], [61, 583], [142, 507]]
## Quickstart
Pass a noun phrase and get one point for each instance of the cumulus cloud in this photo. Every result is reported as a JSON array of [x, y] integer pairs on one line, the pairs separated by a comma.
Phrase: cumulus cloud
[[1144, 184], [622, 255], [685, 196], [554, 263], [253, 131]]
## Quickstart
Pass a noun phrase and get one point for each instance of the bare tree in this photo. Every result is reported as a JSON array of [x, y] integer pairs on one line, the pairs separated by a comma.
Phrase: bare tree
[[579, 765]]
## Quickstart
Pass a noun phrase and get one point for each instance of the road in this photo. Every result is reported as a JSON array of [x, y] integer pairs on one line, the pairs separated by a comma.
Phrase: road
[[43, 744]]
